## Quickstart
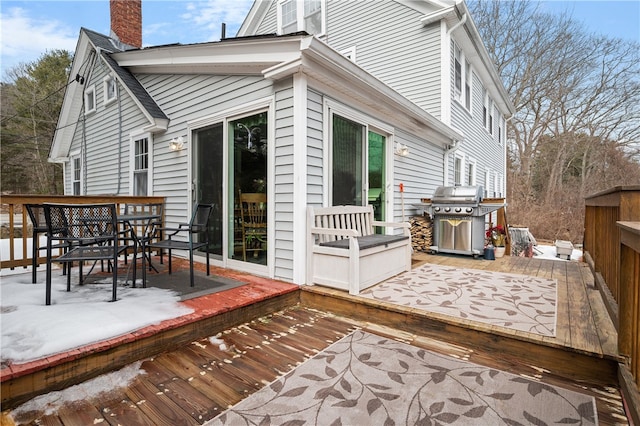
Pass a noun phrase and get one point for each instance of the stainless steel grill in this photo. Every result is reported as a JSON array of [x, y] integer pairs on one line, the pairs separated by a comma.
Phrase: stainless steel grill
[[459, 219]]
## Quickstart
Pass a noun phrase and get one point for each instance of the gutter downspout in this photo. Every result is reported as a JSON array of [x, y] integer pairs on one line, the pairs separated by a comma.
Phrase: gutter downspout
[[445, 160], [455, 27]]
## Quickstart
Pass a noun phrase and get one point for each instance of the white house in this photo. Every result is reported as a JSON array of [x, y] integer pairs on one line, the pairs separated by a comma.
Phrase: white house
[[322, 102]]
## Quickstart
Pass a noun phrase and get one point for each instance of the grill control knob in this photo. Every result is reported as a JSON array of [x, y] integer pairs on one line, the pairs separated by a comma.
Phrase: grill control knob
[[437, 209], [447, 209], [458, 209], [469, 210]]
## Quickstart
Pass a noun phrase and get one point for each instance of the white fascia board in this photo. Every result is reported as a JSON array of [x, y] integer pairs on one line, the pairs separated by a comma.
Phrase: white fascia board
[[230, 56], [71, 105], [437, 16], [325, 64]]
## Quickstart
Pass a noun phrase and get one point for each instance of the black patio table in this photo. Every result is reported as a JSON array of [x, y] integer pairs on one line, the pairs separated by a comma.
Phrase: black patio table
[[143, 220]]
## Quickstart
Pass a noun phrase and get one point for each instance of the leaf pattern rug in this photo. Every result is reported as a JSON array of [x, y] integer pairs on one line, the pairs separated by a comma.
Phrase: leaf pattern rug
[[513, 301], [364, 379]]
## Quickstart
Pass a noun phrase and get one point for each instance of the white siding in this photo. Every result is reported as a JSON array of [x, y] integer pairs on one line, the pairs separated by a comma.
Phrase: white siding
[[392, 44], [283, 175], [420, 172], [315, 188]]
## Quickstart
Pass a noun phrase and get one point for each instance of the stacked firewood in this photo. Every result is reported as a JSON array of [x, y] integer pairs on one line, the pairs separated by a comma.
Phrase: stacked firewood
[[421, 233]]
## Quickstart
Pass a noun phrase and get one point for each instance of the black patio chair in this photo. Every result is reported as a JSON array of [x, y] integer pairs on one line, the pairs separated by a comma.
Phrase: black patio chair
[[144, 228], [90, 233], [197, 227], [38, 227]]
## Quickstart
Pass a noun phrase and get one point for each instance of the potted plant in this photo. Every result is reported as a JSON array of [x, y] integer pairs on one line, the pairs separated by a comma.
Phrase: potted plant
[[496, 235]]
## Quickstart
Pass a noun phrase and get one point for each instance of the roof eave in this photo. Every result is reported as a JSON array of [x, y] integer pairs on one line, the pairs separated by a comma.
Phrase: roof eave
[[319, 60]]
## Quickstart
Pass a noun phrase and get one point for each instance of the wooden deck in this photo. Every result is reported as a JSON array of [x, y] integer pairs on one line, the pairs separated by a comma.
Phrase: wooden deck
[[195, 382]]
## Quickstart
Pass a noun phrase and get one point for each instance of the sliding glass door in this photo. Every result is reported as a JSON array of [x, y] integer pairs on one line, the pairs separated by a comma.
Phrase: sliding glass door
[[245, 163], [358, 165], [209, 156], [247, 180]]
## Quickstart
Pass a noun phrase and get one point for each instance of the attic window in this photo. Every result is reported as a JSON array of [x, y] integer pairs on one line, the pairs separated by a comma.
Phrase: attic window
[[109, 87], [305, 15], [90, 100]]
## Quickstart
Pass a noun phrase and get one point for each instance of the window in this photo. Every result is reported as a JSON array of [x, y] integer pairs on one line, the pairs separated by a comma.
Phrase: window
[[348, 159], [487, 182], [76, 174], [359, 149], [90, 100], [461, 77], [467, 86], [109, 88], [140, 166], [458, 166], [471, 173], [496, 194], [310, 17], [487, 112], [457, 70], [501, 129]]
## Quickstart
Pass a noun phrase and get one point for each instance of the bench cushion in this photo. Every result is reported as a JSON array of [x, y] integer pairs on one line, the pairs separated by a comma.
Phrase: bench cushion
[[368, 241]]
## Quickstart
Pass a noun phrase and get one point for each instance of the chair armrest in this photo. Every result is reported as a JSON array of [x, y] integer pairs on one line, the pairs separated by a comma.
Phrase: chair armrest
[[332, 231]]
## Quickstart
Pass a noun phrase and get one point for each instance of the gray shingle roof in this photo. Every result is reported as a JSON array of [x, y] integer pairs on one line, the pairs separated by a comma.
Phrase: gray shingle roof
[[108, 46]]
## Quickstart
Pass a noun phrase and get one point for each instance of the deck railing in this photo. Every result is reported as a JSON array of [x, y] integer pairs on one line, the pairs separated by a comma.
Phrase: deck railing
[[612, 249], [16, 226]]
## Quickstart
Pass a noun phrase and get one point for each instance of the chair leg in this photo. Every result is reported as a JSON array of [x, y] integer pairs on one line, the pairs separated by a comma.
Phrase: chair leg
[[191, 268], [47, 298], [34, 260], [115, 280], [207, 260], [169, 261]]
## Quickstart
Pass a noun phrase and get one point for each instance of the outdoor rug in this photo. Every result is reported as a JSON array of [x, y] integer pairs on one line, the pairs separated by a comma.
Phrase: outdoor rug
[[513, 301], [364, 379], [178, 281]]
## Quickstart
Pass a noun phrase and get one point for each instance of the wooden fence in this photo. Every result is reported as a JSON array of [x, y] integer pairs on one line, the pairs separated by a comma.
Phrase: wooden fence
[[612, 249], [16, 226]]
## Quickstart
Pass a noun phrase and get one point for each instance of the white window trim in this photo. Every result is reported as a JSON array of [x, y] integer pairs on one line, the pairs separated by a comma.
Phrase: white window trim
[[77, 154], [460, 94], [90, 92], [489, 106], [459, 156], [472, 171], [300, 16], [496, 192], [468, 76], [501, 129], [105, 89], [487, 181], [132, 161]]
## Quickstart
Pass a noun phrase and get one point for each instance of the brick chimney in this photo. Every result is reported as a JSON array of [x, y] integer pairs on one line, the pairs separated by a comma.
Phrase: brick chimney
[[126, 21]]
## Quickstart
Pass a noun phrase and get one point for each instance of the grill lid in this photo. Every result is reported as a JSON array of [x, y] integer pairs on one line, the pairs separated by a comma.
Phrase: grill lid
[[457, 195]]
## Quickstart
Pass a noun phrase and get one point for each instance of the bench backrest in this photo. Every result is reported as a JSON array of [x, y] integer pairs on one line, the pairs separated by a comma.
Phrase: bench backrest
[[358, 218]]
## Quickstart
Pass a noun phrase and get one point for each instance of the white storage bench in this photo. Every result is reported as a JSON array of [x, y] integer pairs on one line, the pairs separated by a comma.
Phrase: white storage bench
[[345, 253]]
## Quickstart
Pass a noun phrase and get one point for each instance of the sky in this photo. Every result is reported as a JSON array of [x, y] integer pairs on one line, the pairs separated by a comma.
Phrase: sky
[[28, 29]]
